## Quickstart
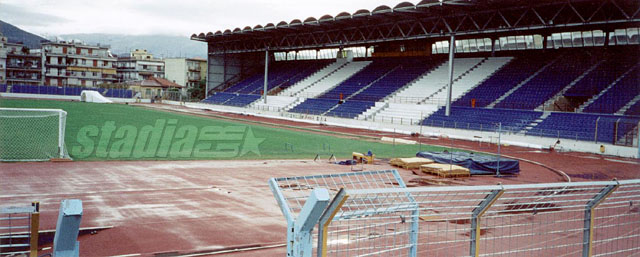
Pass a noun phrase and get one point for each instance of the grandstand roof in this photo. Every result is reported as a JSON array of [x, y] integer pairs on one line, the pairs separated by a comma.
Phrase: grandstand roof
[[426, 19]]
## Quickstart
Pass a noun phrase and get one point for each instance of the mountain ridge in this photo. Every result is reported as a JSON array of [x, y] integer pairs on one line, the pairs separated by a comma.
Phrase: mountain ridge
[[158, 45], [18, 35]]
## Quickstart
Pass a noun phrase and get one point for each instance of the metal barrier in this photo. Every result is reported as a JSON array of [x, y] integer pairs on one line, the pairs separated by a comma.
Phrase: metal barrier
[[554, 219], [19, 230], [303, 199]]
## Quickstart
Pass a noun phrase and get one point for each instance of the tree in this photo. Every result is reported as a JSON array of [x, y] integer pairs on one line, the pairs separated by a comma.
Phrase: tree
[[198, 91]]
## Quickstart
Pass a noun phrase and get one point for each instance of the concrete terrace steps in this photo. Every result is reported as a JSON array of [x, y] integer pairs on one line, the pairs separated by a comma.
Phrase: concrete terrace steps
[[372, 82], [569, 86], [628, 105], [442, 90], [433, 81], [274, 103], [313, 79], [426, 73], [537, 121], [522, 83], [472, 78], [372, 110], [333, 80], [293, 104], [594, 98], [404, 113]]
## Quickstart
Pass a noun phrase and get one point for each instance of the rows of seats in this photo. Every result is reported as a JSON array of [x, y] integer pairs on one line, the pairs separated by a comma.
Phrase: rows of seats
[[633, 109], [618, 95], [407, 71], [231, 99], [434, 81], [377, 69], [503, 80], [484, 119], [312, 79], [282, 74], [69, 91], [3, 88], [586, 127], [350, 109], [315, 106], [549, 82], [219, 98], [602, 76]]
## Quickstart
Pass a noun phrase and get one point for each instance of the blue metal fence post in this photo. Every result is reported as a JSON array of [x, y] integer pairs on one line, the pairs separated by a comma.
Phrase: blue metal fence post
[[415, 218], [307, 220], [65, 241]]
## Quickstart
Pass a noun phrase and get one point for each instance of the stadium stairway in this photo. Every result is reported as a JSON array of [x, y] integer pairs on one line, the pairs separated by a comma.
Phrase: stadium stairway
[[500, 82], [471, 79], [549, 103], [332, 80], [547, 83], [631, 108], [312, 79], [274, 103], [538, 64], [431, 82], [375, 71], [401, 113], [403, 74], [612, 99]]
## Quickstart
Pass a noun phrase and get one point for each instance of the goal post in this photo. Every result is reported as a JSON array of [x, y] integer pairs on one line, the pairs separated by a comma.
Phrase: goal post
[[32, 134]]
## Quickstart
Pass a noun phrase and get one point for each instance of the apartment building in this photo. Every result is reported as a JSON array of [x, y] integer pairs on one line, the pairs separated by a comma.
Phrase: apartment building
[[139, 65], [186, 72], [23, 66], [3, 60], [78, 64]]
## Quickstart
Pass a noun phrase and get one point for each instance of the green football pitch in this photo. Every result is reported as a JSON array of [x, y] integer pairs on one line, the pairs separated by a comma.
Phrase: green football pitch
[[124, 132]]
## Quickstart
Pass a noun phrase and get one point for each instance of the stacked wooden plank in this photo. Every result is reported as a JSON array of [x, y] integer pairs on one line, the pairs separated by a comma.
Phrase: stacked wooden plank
[[410, 163], [445, 170]]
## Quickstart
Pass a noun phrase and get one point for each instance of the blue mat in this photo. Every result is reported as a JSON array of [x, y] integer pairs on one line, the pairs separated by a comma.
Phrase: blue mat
[[477, 164]]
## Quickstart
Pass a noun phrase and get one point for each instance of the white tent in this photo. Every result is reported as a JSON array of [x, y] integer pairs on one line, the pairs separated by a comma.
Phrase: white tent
[[91, 96]]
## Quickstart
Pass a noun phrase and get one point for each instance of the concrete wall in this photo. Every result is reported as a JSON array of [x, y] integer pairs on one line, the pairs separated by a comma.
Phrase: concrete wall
[[175, 69]]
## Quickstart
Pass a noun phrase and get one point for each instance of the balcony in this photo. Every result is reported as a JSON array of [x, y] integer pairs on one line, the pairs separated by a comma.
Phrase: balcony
[[23, 67]]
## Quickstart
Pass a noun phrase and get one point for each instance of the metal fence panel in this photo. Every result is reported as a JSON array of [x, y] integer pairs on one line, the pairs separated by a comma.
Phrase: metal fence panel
[[555, 219]]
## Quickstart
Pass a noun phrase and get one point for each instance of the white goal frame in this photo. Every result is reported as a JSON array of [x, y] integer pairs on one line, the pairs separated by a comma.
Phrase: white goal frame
[[62, 117]]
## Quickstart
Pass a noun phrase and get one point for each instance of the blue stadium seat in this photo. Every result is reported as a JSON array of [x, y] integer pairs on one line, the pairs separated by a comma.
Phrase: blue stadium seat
[[351, 109], [484, 119], [315, 106]]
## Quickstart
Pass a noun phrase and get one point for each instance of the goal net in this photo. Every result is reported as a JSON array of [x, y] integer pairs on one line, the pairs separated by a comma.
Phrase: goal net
[[32, 134]]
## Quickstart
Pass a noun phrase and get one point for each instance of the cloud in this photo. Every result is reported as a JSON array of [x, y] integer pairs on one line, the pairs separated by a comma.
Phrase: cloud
[[167, 17], [22, 16]]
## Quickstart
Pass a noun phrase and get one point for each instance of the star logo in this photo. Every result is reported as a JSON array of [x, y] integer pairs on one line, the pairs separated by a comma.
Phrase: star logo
[[251, 143]]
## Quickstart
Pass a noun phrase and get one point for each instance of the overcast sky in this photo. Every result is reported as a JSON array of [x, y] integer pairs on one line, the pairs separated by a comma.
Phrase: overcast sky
[[170, 17]]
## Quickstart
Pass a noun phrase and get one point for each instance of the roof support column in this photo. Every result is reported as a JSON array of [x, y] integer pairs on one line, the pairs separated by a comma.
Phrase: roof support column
[[493, 47], [266, 74], [452, 49]]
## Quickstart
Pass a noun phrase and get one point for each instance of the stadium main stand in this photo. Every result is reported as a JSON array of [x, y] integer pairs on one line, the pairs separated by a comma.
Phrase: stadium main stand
[[512, 90]]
